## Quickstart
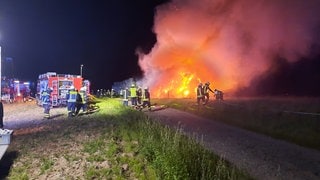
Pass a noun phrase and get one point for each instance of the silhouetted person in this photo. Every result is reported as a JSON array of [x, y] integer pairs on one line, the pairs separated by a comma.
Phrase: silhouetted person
[[1, 114], [206, 90]]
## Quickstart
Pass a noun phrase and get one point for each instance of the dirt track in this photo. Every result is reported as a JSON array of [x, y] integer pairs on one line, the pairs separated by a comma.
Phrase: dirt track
[[19, 115], [262, 156]]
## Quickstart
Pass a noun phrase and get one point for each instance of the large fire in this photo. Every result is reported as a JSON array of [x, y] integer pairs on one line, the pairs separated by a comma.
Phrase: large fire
[[177, 87], [224, 42]]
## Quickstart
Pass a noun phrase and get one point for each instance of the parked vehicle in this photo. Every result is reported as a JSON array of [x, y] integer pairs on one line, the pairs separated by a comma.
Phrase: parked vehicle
[[60, 85]]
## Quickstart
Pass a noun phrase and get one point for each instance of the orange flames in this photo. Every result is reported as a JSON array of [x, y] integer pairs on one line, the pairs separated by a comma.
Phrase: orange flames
[[177, 87], [175, 72], [178, 77], [181, 84], [226, 43]]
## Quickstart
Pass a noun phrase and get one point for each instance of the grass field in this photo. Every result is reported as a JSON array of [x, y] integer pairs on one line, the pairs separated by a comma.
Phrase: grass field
[[295, 120], [114, 143]]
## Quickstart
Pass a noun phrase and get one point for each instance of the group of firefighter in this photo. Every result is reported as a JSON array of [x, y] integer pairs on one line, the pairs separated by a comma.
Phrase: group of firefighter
[[203, 93], [139, 97], [76, 100]]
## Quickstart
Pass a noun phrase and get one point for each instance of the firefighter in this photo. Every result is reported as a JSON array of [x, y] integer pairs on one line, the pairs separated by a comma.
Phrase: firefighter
[[78, 103], [82, 99], [11, 99], [133, 95], [112, 93], [46, 102], [84, 95], [1, 114], [71, 101], [200, 94], [146, 99], [125, 96], [206, 90], [139, 96], [218, 94]]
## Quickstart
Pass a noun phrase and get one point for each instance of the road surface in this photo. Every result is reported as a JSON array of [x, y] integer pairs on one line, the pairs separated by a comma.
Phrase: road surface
[[261, 156]]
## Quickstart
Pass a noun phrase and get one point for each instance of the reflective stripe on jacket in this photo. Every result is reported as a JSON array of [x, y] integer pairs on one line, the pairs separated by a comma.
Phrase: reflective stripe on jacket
[[133, 92], [45, 97], [146, 96], [200, 92], [125, 94], [83, 96], [72, 96]]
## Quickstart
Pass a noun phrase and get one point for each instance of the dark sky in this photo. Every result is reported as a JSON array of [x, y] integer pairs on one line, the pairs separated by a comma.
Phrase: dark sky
[[59, 35], [300, 78], [42, 36]]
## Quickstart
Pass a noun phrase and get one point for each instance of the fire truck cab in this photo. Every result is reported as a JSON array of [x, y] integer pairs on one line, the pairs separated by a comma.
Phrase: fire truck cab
[[60, 85]]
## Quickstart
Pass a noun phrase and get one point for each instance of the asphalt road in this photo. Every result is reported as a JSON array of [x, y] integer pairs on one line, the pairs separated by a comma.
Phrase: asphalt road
[[261, 156]]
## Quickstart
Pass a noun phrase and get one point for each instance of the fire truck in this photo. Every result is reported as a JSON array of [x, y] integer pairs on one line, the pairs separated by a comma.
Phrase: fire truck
[[60, 84], [13, 90]]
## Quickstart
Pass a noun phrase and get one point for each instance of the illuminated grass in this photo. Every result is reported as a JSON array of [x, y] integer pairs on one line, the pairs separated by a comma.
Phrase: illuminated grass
[[171, 154], [175, 156], [270, 116], [115, 143]]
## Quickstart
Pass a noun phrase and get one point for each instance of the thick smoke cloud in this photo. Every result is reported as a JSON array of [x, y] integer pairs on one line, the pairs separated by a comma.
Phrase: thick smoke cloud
[[228, 42]]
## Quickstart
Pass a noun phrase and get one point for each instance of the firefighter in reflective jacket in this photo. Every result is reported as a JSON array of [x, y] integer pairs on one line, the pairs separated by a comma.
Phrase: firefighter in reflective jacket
[[206, 90], [146, 99], [200, 94], [81, 101], [71, 101], [133, 95], [125, 96], [139, 96], [84, 96], [46, 102]]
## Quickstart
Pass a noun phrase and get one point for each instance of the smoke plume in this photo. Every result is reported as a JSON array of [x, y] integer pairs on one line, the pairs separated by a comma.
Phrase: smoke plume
[[226, 42]]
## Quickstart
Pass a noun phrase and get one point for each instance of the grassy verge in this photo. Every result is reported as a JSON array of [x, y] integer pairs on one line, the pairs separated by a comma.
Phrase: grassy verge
[[282, 118], [114, 143]]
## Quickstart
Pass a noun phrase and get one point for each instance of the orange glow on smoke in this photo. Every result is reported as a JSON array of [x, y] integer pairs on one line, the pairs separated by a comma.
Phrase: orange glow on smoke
[[181, 81], [181, 70], [226, 43]]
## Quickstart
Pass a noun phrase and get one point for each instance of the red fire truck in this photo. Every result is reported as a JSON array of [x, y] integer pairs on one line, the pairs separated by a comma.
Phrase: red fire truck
[[60, 84], [13, 90]]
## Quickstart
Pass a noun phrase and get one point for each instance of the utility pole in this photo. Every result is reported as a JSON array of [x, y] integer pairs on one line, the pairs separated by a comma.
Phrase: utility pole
[[81, 66]]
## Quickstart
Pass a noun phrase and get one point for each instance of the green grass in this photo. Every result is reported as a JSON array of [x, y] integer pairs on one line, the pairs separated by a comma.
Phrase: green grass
[[115, 143], [274, 117], [46, 164]]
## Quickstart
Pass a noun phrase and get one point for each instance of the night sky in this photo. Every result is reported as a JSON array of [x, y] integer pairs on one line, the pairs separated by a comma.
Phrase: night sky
[[270, 47], [42, 36], [301, 78]]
